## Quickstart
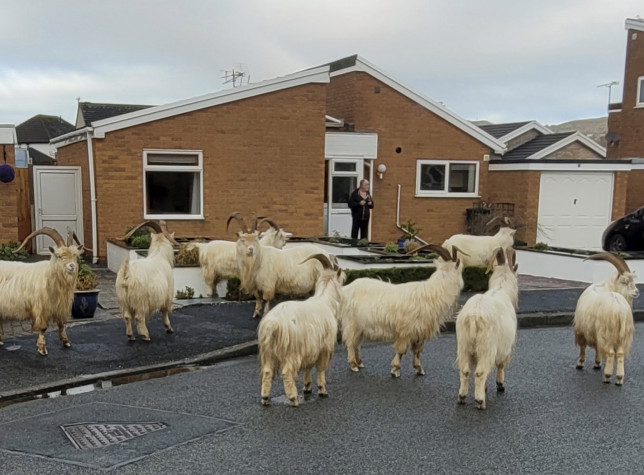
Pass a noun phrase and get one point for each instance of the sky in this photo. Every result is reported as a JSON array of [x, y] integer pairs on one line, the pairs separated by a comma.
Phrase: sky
[[495, 60]]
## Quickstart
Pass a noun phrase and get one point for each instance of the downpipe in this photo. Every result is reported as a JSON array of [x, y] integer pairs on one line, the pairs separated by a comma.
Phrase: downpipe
[[398, 217]]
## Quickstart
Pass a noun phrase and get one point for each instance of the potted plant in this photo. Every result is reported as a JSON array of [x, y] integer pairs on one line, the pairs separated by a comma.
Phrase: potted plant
[[410, 231], [86, 293]]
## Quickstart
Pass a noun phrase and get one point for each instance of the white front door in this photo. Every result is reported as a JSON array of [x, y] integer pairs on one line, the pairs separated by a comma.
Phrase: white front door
[[58, 202], [343, 177], [574, 208]]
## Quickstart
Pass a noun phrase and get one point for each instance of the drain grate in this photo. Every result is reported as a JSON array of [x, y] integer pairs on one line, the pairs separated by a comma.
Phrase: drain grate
[[90, 435]]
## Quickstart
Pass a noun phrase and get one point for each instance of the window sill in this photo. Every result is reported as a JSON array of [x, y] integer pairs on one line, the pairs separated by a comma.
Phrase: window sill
[[639, 106], [175, 217], [447, 195]]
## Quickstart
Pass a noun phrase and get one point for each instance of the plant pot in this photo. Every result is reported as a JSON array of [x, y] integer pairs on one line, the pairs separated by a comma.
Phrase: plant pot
[[85, 303], [401, 243]]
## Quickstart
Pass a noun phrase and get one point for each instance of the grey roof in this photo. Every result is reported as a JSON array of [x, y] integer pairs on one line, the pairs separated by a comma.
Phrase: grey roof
[[343, 63], [499, 130], [39, 158], [535, 145], [42, 128], [93, 111]]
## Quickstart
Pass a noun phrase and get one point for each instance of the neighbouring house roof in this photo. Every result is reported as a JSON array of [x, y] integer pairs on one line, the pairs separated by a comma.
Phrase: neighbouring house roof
[[356, 63], [42, 128], [634, 24], [499, 130], [39, 158], [150, 114], [7, 134], [89, 112], [544, 145]]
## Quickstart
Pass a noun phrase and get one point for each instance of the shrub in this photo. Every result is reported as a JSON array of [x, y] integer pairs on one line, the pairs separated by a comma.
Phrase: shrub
[[187, 258], [187, 293], [363, 242], [541, 246], [475, 278], [411, 246], [7, 254], [87, 278], [391, 247], [234, 292], [140, 242]]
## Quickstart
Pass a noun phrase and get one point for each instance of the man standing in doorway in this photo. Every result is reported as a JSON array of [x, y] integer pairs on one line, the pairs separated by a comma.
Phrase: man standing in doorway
[[361, 204]]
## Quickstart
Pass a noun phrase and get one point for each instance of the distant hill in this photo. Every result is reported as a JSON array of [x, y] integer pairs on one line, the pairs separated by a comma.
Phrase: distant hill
[[593, 128]]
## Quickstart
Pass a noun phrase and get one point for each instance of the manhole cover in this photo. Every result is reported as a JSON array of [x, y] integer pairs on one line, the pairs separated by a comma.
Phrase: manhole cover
[[88, 435]]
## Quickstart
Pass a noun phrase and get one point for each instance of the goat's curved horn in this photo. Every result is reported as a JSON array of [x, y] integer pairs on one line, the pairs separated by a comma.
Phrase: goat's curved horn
[[615, 259], [492, 222], [253, 223], [51, 232], [507, 221], [440, 250], [166, 233], [270, 222], [150, 224], [73, 237], [455, 251], [324, 260], [237, 215], [498, 258]]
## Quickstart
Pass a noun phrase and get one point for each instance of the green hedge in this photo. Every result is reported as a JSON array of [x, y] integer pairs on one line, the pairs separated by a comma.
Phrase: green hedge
[[475, 278]]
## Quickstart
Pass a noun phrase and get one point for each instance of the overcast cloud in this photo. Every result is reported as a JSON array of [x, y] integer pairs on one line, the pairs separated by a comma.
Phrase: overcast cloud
[[500, 60]]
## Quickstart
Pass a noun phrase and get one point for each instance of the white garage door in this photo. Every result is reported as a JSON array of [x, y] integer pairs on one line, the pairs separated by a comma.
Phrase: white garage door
[[574, 208]]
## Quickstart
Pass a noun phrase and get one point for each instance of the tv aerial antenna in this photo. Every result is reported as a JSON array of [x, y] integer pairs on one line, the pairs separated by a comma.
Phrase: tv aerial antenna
[[609, 85], [237, 76]]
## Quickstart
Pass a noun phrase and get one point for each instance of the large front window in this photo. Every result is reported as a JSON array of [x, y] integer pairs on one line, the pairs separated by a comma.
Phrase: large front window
[[447, 178], [640, 92], [173, 184]]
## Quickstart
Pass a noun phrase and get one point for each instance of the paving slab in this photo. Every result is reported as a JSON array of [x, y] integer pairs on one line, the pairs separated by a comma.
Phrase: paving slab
[[104, 435]]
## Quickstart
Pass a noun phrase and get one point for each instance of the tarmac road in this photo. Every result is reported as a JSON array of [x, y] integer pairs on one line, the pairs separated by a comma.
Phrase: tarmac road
[[551, 419]]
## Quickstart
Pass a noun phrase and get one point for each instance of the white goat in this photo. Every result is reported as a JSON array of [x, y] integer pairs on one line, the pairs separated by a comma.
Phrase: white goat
[[480, 249], [218, 259], [300, 335], [41, 292], [147, 285], [265, 271], [604, 318], [408, 313], [486, 330]]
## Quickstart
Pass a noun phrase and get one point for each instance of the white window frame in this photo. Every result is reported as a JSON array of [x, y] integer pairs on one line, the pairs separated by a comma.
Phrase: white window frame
[[640, 86], [170, 168], [445, 193]]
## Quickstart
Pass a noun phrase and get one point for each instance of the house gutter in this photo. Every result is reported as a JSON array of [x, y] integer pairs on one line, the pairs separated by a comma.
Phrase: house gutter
[[92, 194], [398, 216]]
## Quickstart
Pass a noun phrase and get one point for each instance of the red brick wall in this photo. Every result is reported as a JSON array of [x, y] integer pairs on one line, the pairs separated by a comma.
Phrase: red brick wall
[[420, 134], [573, 151], [9, 202], [620, 188], [635, 194], [629, 123], [522, 189], [263, 154]]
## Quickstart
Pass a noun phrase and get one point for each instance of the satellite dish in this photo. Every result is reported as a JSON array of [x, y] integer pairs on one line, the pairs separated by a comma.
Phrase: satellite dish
[[612, 137]]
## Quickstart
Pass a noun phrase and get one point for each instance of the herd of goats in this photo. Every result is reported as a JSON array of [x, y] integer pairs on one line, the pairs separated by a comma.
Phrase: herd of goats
[[299, 335]]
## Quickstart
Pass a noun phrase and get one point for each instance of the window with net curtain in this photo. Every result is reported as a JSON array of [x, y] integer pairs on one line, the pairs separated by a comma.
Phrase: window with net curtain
[[447, 177], [173, 184]]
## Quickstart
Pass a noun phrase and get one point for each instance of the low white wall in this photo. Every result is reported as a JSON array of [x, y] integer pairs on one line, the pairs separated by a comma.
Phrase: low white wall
[[352, 265], [117, 254], [336, 250], [190, 277], [560, 266]]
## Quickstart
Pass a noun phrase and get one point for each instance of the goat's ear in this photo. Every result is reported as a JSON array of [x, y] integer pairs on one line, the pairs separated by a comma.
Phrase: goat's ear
[[239, 233], [52, 250], [81, 249], [516, 267]]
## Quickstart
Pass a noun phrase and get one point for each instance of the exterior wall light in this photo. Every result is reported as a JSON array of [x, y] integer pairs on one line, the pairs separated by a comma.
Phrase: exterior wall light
[[382, 168]]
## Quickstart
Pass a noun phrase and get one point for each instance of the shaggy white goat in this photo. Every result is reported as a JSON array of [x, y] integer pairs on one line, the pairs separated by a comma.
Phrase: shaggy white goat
[[41, 292], [604, 318], [408, 313], [265, 271], [300, 335], [218, 259], [147, 285], [480, 249], [486, 330]]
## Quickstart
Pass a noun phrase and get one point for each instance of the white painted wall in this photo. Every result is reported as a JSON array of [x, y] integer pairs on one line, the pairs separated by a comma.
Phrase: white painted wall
[[560, 266]]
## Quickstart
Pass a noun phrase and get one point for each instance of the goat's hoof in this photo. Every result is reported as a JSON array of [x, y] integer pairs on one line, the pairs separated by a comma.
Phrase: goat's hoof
[[420, 372], [360, 365], [266, 401], [42, 351], [355, 369], [323, 395], [395, 374], [255, 315], [580, 366], [480, 404], [67, 344], [597, 366], [606, 379], [294, 401], [308, 390], [131, 338], [619, 380], [500, 387], [146, 338], [1, 343], [461, 399], [169, 330]]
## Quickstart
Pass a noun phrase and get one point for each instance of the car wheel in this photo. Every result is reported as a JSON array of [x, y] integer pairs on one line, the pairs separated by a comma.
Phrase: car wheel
[[617, 243]]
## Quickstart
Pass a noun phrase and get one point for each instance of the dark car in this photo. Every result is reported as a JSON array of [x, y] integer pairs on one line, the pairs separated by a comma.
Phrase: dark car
[[626, 233]]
